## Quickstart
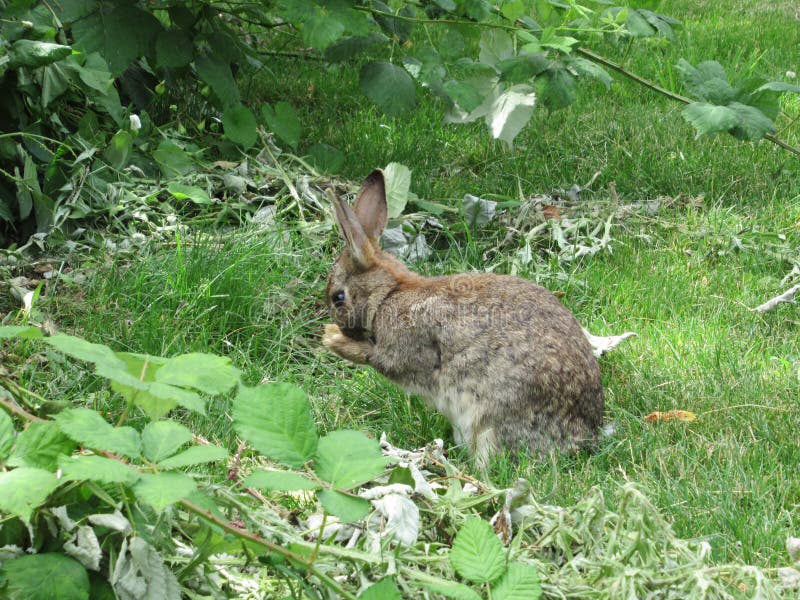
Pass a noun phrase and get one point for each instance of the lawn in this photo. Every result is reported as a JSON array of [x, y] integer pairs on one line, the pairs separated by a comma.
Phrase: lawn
[[684, 277]]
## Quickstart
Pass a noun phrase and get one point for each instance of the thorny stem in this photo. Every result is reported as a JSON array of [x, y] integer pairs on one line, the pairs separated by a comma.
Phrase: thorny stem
[[16, 410], [665, 92]]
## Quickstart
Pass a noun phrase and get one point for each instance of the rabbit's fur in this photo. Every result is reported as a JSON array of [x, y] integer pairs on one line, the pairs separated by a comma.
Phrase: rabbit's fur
[[500, 357]]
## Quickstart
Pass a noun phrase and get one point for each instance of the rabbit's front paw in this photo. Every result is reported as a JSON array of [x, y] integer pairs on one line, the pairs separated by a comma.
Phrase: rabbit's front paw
[[348, 348]]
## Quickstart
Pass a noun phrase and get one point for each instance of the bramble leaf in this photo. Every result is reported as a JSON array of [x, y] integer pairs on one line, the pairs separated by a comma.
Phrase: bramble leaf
[[196, 455], [40, 445], [388, 86], [279, 481], [477, 553], [207, 373], [276, 420], [347, 458], [89, 429], [46, 576], [240, 125], [160, 490], [25, 489], [161, 439], [96, 468], [520, 582], [347, 508]]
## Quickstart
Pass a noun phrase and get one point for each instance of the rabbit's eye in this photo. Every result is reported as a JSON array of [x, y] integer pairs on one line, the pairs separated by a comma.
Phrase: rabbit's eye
[[338, 299]]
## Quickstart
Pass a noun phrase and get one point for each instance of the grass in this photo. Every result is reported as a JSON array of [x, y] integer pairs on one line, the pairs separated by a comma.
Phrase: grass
[[676, 279]]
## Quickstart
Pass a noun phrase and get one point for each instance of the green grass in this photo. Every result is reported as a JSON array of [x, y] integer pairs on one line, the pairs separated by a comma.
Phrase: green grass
[[730, 476]]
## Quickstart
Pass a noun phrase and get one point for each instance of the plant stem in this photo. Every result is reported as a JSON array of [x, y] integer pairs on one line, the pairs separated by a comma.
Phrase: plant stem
[[15, 410], [664, 92], [272, 547]]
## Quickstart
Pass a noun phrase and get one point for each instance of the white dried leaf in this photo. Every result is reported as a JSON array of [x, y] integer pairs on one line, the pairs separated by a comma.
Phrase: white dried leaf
[[140, 574], [84, 547], [383, 490], [60, 512], [477, 211], [421, 485], [335, 529], [790, 578], [511, 112], [470, 488], [601, 345], [402, 517], [793, 548], [115, 521], [10, 552]]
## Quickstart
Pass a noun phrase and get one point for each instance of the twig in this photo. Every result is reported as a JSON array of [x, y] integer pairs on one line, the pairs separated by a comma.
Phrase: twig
[[787, 296]]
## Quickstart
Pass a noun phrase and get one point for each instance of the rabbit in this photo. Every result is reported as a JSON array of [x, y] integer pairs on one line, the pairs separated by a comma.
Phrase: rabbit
[[499, 356]]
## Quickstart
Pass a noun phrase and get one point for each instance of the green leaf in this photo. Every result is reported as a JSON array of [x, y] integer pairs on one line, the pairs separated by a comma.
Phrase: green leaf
[[161, 490], [347, 509], [87, 351], [388, 86], [174, 49], [173, 160], [522, 68], [7, 435], [275, 419], [521, 582], [40, 445], [32, 53], [347, 458], [163, 438], [96, 468], [708, 118], [350, 47], [119, 149], [111, 31], [559, 89], [587, 68], [283, 122], [779, 86], [706, 82], [240, 125], [477, 553], [477, 10], [322, 29], [181, 191], [495, 46], [69, 11], [753, 124], [385, 589], [216, 72], [47, 576], [207, 373], [463, 94], [89, 429], [25, 489], [325, 158], [451, 589], [20, 331], [196, 455], [398, 183], [278, 481], [510, 112]]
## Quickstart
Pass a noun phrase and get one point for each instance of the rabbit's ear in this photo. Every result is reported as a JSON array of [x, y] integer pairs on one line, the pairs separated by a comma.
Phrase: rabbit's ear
[[361, 249], [370, 206]]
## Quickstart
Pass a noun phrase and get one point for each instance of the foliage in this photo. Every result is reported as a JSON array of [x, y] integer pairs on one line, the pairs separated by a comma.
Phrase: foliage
[[94, 104], [104, 525]]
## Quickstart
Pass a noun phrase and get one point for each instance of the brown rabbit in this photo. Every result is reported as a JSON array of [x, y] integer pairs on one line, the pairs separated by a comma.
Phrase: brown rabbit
[[500, 357]]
